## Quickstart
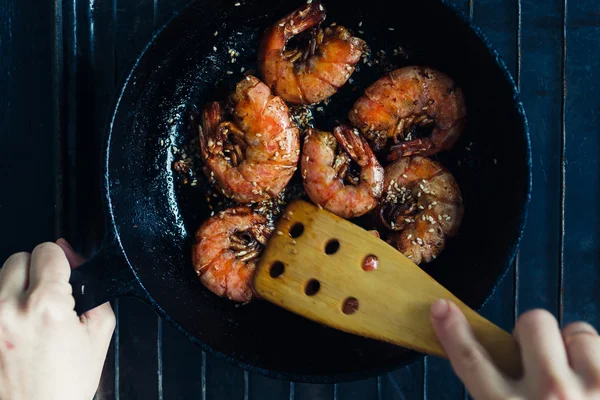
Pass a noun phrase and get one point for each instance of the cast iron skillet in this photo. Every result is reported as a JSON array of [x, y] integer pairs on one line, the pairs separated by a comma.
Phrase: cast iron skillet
[[152, 217]]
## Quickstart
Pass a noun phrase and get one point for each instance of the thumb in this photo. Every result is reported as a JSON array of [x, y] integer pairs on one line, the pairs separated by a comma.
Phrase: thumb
[[100, 320], [469, 359]]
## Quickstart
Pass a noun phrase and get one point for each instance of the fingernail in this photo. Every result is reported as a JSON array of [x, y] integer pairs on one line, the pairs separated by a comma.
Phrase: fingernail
[[65, 243], [439, 309]]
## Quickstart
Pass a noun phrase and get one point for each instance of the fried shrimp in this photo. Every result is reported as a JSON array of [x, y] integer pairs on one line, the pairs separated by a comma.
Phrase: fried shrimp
[[252, 157], [406, 99], [314, 73], [226, 249], [422, 206], [326, 173]]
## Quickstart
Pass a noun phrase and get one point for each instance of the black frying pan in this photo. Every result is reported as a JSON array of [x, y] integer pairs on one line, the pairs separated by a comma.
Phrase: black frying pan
[[152, 216]]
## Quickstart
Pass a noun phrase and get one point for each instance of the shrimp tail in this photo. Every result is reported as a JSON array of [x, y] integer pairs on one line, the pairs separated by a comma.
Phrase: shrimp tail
[[355, 145], [212, 115], [302, 19], [422, 146]]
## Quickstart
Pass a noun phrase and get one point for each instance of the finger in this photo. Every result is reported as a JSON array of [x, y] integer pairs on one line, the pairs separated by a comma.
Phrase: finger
[[469, 359], [75, 259], [52, 305], [14, 275], [543, 350], [48, 264], [100, 323], [583, 351]]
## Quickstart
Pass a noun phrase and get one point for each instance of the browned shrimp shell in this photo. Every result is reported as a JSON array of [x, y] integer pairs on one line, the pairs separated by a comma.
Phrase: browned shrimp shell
[[252, 156], [312, 74], [226, 250], [325, 162], [422, 207], [408, 98]]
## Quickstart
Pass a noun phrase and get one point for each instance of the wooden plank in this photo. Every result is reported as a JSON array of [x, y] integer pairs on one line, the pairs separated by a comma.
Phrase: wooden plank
[[307, 391], [138, 361], [182, 366], [364, 389], [440, 380], [404, 384], [223, 381], [27, 125], [263, 388], [581, 251], [541, 91]]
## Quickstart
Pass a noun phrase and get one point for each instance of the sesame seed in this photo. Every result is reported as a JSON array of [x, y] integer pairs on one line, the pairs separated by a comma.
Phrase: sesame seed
[[407, 220], [434, 203], [495, 161], [237, 4], [258, 135], [308, 1], [432, 230], [420, 241], [409, 256], [215, 48], [321, 7], [229, 72], [242, 69], [216, 33], [448, 218], [391, 29], [294, 251], [409, 236], [404, 176], [360, 23], [279, 233]]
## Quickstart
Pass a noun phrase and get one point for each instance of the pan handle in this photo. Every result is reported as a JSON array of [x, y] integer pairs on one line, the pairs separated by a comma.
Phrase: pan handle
[[104, 277]]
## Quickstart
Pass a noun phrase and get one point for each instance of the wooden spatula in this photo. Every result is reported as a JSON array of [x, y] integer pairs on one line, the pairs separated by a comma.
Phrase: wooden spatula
[[329, 270]]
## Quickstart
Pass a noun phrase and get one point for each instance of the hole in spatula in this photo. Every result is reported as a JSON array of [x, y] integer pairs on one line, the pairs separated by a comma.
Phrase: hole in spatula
[[312, 287], [370, 263], [350, 306], [276, 269], [332, 246], [296, 230]]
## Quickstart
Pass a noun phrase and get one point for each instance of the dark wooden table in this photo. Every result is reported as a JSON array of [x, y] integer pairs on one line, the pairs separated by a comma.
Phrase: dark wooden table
[[60, 65]]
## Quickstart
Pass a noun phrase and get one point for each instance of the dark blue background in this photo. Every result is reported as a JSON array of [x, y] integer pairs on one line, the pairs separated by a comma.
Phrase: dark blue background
[[60, 65]]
